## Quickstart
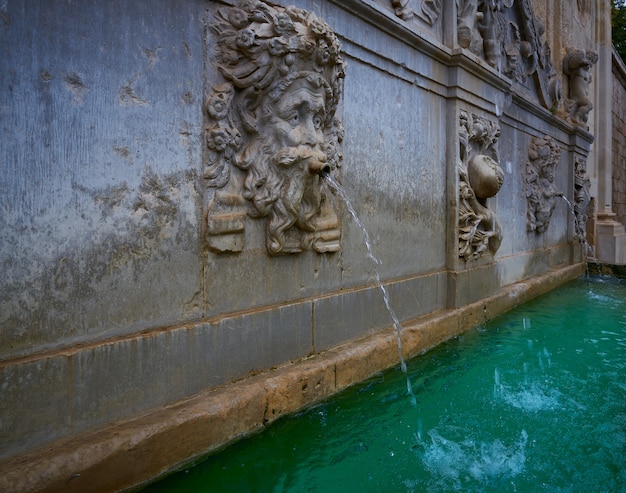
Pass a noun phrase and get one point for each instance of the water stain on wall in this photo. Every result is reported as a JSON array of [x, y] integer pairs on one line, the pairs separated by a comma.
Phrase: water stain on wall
[[111, 251]]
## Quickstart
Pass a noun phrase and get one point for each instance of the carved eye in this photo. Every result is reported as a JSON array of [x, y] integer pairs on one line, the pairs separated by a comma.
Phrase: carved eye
[[318, 120], [294, 119]]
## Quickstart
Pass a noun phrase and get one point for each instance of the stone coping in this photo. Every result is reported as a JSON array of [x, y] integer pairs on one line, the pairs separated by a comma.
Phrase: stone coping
[[130, 454]]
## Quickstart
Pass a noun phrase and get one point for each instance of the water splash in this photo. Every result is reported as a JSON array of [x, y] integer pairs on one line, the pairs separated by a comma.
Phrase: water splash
[[334, 185], [531, 397], [460, 465], [527, 395]]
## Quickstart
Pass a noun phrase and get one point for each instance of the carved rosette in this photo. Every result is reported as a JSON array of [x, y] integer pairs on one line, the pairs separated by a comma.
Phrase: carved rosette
[[543, 157], [480, 177], [509, 37], [582, 197], [272, 127]]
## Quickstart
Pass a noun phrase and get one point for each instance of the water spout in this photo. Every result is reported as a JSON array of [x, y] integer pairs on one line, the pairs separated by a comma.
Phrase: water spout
[[324, 172], [317, 166]]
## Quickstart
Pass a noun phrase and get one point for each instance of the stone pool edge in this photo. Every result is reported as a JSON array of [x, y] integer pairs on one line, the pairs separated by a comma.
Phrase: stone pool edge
[[130, 454]]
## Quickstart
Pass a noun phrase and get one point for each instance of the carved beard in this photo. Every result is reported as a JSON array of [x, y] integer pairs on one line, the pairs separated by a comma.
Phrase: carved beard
[[285, 187]]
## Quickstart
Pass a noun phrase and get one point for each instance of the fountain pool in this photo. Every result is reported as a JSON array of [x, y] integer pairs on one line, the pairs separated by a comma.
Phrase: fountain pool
[[534, 400]]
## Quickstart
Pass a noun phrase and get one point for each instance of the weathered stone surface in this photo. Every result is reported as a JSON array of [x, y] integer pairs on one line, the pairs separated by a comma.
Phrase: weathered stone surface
[[99, 202], [86, 386], [122, 294]]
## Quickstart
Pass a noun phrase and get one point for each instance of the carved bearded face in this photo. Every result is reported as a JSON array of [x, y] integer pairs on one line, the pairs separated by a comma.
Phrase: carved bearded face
[[282, 181], [299, 115], [296, 124], [283, 71]]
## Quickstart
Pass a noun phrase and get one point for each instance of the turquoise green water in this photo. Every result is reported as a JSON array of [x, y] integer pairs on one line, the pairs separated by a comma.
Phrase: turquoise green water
[[533, 401]]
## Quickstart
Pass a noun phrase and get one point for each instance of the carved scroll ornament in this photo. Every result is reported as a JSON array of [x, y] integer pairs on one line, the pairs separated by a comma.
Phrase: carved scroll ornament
[[543, 158], [272, 127], [480, 177]]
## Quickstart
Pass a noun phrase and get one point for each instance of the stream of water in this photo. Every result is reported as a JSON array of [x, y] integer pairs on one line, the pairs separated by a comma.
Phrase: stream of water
[[376, 261]]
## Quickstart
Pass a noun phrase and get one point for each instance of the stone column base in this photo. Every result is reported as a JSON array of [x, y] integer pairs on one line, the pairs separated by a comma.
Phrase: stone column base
[[610, 241]]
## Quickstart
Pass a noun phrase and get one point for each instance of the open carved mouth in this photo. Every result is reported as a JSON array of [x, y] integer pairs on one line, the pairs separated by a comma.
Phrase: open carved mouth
[[316, 166]]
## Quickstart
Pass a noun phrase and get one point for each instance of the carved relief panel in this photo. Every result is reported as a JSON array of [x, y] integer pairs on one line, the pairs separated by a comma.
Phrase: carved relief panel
[[272, 126], [543, 157], [480, 177], [509, 37]]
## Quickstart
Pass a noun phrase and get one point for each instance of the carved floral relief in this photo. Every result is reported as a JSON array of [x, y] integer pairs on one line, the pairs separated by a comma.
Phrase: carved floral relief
[[582, 197], [272, 127], [543, 157], [480, 177]]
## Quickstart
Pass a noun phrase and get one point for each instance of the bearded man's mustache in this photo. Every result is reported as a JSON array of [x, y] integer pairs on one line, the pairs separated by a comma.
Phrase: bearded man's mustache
[[314, 159]]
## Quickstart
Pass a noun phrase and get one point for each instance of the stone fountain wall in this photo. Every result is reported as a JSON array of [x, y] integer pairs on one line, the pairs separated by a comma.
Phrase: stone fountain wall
[[140, 263]]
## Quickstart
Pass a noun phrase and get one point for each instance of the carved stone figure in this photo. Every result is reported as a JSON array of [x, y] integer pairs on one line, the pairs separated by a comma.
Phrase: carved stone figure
[[577, 66], [480, 177], [543, 158], [582, 197], [273, 127]]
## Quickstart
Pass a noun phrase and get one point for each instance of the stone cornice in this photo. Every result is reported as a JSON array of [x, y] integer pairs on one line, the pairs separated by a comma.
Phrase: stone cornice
[[387, 22]]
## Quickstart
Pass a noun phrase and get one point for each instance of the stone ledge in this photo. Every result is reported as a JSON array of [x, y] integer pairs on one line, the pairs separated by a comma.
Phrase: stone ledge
[[607, 269], [131, 453]]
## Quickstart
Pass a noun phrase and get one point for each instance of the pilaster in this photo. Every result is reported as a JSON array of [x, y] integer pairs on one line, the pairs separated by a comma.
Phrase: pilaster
[[610, 235]]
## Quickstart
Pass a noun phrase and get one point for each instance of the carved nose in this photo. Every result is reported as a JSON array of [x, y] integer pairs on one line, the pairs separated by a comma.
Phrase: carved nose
[[309, 134]]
